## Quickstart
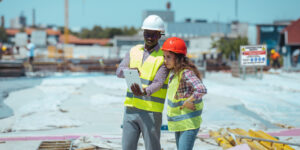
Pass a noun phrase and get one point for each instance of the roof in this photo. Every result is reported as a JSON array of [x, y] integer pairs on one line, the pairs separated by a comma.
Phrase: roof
[[53, 32], [12, 31], [293, 30], [30, 30], [75, 40]]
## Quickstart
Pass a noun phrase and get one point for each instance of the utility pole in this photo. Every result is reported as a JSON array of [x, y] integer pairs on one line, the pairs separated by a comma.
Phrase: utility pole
[[2, 21], [236, 10], [33, 17], [66, 29]]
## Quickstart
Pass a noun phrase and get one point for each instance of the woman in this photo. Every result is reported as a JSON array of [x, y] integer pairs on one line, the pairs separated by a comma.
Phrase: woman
[[185, 91]]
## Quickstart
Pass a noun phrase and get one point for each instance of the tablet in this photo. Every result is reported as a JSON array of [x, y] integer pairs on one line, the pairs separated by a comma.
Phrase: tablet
[[132, 76]]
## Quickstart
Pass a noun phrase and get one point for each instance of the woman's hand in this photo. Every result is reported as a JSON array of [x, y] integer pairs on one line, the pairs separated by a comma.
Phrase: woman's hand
[[188, 104]]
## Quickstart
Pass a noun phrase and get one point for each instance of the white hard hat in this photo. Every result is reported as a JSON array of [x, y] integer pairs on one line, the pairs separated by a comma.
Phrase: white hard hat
[[153, 22]]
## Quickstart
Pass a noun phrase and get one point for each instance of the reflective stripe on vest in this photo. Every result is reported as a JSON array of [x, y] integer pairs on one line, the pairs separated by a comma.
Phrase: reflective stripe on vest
[[171, 104], [148, 70], [147, 82], [181, 119], [186, 116], [146, 98]]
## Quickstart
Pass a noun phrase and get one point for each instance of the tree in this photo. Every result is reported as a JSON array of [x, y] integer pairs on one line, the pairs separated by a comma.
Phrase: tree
[[114, 31], [230, 47], [3, 35], [22, 29], [99, 32], [96, 32], [130, 31]]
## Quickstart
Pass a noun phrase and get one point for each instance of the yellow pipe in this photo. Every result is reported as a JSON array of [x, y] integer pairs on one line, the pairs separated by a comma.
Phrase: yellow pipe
[[220, 139], [253, 144]]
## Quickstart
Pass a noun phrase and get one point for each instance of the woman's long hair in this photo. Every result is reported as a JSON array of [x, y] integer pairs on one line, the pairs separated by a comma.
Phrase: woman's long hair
[[182, 62]]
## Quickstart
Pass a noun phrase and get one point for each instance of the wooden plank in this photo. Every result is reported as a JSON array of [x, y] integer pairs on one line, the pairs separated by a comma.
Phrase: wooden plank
[[87, 148], [57, 145]]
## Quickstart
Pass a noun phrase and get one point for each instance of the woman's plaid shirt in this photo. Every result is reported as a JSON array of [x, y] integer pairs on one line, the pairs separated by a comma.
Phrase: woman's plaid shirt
[[189, 85]]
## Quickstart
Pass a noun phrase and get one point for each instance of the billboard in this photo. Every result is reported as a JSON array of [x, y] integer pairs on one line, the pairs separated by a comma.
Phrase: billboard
[[253, 55], [21, 39], [39, 38]]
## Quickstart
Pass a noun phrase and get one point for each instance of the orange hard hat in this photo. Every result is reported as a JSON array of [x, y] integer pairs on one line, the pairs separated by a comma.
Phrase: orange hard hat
[[174, 44]]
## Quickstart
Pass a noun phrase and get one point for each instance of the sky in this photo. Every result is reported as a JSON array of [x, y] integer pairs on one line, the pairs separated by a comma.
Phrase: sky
[[120, 13]]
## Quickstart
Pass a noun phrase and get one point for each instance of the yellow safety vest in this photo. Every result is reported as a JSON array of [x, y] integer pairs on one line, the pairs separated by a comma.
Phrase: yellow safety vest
[[185, 119], [148, 69]]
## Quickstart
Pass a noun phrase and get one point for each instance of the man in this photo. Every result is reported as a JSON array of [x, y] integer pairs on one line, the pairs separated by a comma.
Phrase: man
[[295, 56], [275, 58], [18, 50], [143, 109], [30, 47]]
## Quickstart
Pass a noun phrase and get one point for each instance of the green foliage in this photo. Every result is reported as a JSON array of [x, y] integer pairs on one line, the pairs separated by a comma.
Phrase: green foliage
[[61, 29], [22, 29], [227, 46], [99, 32], [3, 35], [85, 33]]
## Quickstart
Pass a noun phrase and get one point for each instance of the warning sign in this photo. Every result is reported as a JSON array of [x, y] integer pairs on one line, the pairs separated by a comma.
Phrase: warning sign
[[253, 55]]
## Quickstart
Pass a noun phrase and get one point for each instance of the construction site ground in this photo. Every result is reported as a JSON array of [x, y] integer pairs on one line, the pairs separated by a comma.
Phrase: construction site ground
[[91, 104]]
